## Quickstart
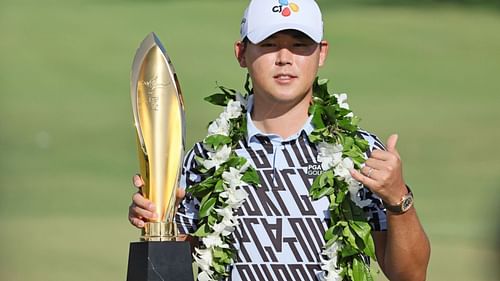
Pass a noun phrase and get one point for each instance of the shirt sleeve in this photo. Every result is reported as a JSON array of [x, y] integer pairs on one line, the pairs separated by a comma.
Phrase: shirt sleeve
[[375, 211], [187, 212]]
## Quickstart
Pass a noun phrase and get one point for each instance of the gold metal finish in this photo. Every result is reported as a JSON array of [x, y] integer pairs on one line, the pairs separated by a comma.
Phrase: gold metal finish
[[159, 120]]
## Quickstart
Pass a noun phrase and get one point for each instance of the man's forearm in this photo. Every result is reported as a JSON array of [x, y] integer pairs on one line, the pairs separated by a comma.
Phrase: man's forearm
[[407, 248]]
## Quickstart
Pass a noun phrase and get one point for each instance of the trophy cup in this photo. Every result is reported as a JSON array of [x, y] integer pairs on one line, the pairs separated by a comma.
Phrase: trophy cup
[[159, 121]]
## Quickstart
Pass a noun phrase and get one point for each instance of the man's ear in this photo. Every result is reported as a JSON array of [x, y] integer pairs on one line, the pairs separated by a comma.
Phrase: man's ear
[[323, 52], [239, 53]]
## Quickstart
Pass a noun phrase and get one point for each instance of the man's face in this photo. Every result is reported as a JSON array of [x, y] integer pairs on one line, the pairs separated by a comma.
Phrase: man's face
[[283, 66]]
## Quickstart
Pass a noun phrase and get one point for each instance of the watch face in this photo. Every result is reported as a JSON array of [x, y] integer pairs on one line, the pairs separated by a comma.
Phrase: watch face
[[406, 204]]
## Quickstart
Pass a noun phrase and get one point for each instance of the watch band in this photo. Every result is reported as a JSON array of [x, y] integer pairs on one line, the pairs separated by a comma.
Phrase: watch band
[[403, 206]]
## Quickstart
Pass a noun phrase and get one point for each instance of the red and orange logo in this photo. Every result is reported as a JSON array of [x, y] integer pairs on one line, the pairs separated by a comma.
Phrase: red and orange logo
[[286, 8]]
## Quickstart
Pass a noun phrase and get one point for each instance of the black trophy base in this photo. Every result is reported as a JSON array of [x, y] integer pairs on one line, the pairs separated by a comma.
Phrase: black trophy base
[[160, 261]]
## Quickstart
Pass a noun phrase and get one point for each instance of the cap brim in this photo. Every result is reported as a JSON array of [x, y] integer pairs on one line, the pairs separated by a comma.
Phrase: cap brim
[[258, 36]]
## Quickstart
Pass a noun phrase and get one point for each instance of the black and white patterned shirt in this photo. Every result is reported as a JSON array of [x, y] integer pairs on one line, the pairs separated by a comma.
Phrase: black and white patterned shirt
[[280, 232]]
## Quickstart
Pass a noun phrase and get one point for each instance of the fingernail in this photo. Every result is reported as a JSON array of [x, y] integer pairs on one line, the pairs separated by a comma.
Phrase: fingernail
[[154, 216], [140, 224]]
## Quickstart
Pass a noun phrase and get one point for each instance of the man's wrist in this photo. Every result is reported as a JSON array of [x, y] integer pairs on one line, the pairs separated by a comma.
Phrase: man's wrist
[[403, 205]]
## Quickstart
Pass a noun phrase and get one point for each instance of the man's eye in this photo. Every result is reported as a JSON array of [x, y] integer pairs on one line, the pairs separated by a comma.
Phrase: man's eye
[[267, 44], [301, 44]]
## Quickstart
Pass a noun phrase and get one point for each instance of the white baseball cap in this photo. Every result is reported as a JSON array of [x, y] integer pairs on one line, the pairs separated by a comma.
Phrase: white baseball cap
[[263, 18]]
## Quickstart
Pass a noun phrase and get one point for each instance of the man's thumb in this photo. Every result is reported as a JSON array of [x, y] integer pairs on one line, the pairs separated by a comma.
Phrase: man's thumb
[[391, 143]]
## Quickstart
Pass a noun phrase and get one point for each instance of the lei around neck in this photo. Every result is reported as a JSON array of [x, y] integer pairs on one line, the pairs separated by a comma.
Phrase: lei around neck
[[348, 238]]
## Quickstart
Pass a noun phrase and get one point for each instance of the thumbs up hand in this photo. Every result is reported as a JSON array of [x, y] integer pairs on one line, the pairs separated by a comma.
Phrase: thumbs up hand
[[383, 173]]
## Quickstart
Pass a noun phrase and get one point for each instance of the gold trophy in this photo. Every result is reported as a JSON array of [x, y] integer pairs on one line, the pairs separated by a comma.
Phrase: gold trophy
[[159, 121]]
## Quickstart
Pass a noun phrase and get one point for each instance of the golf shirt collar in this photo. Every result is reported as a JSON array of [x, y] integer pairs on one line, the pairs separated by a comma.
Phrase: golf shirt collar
[[253, 131]]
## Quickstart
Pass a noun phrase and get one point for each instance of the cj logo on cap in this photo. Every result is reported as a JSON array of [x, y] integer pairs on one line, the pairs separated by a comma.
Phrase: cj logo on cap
[[286, 8]]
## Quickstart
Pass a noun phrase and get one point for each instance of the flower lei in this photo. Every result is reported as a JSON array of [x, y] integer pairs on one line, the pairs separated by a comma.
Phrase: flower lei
[[347, 240]]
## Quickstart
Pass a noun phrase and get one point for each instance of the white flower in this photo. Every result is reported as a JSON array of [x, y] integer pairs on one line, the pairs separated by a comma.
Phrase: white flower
[[214, 240], [332, 275], [233, 110], [235, 197], [233, 177], [342, 101], [203, 258], [205, 276], [354, 187], [219, 126], [218, 157], [329, 265], [223, 228], [229, 221], [228, 216], [329, 155], [331, 251], [342, 170]]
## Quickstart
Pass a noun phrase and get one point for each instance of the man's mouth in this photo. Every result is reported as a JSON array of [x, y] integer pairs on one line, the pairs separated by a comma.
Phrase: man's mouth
[[284, 77]]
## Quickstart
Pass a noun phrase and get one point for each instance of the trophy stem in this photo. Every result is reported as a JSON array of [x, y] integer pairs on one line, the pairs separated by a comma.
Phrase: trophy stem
[[159, 231]]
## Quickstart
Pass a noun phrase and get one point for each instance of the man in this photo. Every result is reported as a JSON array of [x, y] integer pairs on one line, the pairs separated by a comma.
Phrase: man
[[280, 230]]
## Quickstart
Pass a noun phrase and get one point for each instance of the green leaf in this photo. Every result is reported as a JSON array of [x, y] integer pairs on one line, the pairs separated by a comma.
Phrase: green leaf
[[217, 141], [363, 231], [358, 271], [317, 120], [219, 268], [340, 197], [343, 112], [348, 251], [247, 84], [212, 219], [233, 161], [207, 206], [322, 81], [203, 230], [326, 178], [219, 186], [331, 112], [200, 190], [228, 91], [320, 88], [323, 185], [355, 120], [347, 143], [346, 125], [317, 135], [351, 239], [329, 233], [251, 176], [217, 99], [362, 144]]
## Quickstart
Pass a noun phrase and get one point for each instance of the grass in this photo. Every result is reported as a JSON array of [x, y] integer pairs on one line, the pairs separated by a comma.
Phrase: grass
[[67, 142]]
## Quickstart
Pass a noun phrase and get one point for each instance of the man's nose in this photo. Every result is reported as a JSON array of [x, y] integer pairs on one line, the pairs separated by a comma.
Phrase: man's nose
[[284, 56]]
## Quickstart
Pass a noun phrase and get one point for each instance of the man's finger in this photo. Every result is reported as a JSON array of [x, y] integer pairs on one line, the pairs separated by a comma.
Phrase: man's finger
[[391, 143], [179, 196], [383, 155], [138, 212], [137, 222], [142, 202], [375, 163], [366, 181], [137, 180]]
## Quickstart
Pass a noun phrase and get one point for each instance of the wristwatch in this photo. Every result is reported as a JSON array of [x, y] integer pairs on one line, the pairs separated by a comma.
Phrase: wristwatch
[[403, 206]]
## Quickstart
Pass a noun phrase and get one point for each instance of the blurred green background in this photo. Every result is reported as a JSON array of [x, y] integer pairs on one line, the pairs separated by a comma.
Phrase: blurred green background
[[67, 147]]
